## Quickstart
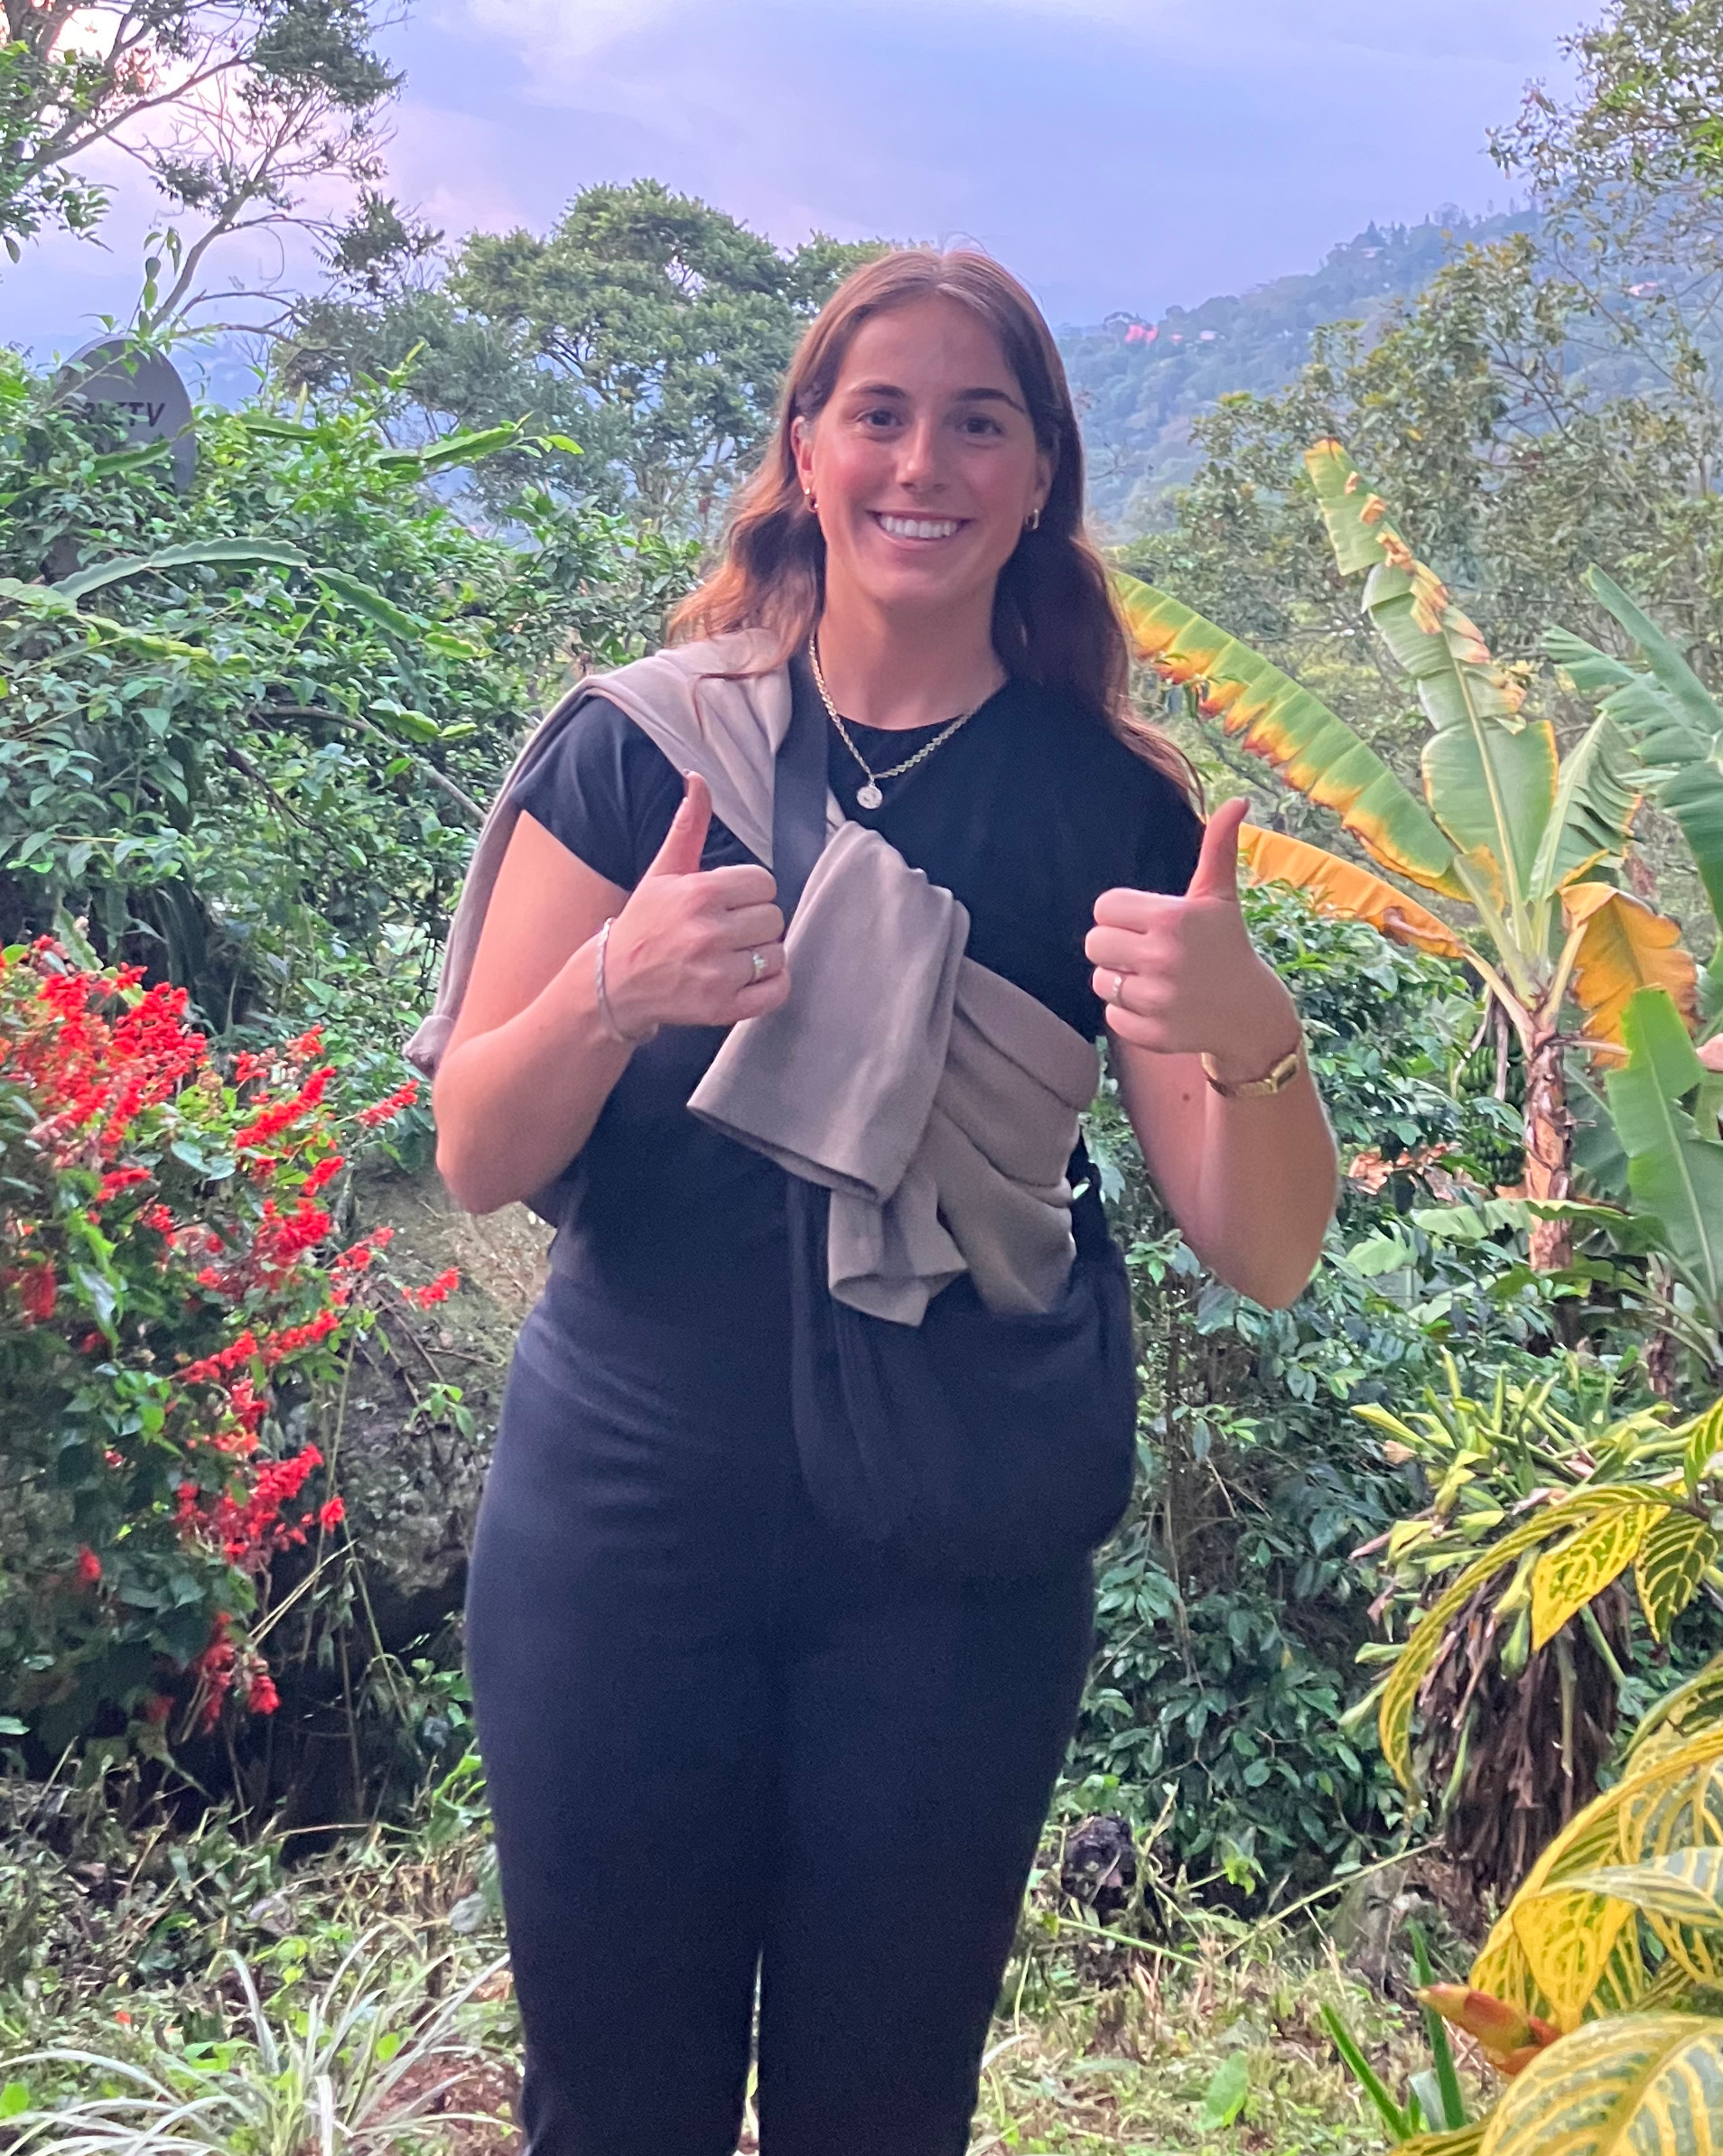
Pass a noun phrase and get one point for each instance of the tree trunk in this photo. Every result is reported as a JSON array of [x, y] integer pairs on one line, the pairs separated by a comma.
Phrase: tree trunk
[[1549, 1147]]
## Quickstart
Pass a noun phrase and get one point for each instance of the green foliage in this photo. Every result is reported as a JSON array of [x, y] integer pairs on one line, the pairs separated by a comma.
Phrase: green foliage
[[647, 326], [263, 781], [1230, 1601]]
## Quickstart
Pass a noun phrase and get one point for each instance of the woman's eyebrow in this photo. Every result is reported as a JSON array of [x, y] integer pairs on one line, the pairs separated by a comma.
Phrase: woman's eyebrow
[[964, 397]]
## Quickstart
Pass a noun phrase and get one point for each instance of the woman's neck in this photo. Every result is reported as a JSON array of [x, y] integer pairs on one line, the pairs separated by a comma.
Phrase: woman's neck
[[886, 670]]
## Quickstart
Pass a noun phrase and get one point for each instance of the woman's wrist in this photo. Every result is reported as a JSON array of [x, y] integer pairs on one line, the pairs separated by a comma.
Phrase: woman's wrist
[[624, 1032], [1261, 1046]]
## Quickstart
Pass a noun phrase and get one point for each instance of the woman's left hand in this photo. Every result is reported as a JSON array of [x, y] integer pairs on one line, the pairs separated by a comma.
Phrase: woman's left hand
[[1180, 976]]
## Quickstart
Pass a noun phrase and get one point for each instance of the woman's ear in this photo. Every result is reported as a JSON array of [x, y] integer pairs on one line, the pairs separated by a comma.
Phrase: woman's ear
[[802, 444]]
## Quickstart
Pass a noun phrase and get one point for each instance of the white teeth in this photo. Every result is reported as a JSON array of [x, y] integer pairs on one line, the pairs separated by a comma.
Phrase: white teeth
[[918, 527]]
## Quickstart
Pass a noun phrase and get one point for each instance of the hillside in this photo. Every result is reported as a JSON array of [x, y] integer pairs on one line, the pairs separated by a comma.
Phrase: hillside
[[1139, 383]]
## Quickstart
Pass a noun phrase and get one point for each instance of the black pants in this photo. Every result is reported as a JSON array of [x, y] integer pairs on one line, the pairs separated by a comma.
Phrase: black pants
[[720, 1743]]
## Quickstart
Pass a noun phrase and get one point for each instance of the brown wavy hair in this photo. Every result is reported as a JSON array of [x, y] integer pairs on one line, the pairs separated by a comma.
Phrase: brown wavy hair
[[1053, 620]]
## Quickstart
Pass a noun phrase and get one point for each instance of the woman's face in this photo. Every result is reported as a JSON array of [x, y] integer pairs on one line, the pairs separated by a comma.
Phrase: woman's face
[[924, 462]]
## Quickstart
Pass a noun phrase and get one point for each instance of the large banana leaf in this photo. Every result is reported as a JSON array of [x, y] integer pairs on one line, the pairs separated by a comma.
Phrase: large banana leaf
[[1625, 947], [1489, 778], [1672, 720], [1314, 751], [1637, 2084], [1674, 1170], [1596, 802], [1334, 886]]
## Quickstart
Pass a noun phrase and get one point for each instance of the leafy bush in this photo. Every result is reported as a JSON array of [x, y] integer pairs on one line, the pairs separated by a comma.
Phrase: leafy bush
[[169, 1287], [1231, 1605], [261, 776]]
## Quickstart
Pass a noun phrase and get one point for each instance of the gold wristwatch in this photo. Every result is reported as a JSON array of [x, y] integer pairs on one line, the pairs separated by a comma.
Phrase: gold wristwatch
[[1277, 1076]]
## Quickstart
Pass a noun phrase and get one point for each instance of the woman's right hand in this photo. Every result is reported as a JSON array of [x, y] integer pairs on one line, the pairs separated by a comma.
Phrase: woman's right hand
[[680, 952]]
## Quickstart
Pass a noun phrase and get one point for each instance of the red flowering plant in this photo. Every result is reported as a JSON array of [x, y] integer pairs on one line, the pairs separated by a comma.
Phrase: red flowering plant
[[174, 1303]]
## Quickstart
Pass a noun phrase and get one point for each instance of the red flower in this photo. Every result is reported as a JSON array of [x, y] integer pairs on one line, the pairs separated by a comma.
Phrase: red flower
[[433, 1291], [261, 1695], [385, 1110], [39, 1291], [118, 1179], [90, 1565], [331, 1514]]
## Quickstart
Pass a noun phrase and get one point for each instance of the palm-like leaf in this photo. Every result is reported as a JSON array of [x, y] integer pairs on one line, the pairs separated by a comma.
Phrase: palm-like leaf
[[1313, 748], [1624, 948], [1338, 887], [1671, 720], [1674, 1170]]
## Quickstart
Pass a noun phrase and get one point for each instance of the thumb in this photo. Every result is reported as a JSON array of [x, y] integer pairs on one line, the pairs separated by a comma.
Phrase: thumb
[[1216, 875], [680, 853]]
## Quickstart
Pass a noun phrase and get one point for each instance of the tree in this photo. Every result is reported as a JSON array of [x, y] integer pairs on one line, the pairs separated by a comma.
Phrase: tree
[[234, 108], [649, 326], [1527, 844], [1628, 173]]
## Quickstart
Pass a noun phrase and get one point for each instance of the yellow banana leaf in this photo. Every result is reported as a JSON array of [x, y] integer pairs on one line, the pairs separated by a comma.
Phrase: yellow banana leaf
[[1627, 947], [1313, 749], [1640, 2085], [1334, 886]]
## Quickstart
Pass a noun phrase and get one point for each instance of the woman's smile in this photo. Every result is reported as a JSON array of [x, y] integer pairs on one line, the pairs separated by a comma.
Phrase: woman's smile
[[919, 531]]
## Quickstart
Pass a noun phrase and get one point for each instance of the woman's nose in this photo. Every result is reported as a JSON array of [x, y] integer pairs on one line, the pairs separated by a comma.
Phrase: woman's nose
[[918, 459]]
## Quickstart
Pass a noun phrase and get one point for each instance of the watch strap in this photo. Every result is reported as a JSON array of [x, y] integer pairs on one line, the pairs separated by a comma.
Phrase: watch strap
[[1275, 1079]]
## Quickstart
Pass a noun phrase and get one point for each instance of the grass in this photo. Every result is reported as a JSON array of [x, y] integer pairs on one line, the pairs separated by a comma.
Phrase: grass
[[171, 1993]]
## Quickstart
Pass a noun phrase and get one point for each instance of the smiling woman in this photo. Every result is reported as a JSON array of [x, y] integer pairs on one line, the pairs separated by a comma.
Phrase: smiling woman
[[830, 1399]]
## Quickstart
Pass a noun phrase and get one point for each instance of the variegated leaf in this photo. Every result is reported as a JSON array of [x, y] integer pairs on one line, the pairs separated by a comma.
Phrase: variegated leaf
[[1673, 1811], [1568, 1578], [1406, 1680], [1670, 1563], [1704, 1436], [1680, 1716], [1463, 2141], [1637, 2084], [1686, 1886], [1570, 1937]]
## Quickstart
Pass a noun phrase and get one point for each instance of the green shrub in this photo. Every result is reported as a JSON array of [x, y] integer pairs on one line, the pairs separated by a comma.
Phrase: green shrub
[[169, 1284]]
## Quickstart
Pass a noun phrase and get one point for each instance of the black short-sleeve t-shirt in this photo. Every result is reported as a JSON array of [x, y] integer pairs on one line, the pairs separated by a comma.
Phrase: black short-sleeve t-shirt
[[1027, 814]]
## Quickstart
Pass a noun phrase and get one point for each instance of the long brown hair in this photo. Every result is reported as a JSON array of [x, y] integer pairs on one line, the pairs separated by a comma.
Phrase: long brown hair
[[1054, 621]]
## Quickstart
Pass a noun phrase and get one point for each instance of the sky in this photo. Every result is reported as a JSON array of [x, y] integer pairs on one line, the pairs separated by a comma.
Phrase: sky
[[1116, 154]]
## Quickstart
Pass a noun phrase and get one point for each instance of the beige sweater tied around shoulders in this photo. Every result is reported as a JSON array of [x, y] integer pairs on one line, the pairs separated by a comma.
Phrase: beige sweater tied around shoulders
[[936, 1100]]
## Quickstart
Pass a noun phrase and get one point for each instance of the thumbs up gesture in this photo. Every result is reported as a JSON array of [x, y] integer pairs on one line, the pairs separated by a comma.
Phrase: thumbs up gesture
[[695, 946], [1180, 976]]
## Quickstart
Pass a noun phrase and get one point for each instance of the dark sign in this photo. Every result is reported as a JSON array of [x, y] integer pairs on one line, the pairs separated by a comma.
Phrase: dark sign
[[148, 390]]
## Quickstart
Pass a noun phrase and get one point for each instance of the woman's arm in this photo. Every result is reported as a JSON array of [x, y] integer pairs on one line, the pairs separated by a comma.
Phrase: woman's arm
[[532, 1056], [1250, 1182]]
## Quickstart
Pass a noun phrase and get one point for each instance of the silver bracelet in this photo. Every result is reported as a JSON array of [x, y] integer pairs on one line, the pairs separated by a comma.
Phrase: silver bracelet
[[625, 1040]]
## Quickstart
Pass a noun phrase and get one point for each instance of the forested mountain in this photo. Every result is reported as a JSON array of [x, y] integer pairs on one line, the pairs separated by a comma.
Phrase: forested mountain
[[1139, 383]]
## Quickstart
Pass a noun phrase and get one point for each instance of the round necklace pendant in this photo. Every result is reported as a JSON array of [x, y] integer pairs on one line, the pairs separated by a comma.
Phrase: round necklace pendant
[[868, 796]]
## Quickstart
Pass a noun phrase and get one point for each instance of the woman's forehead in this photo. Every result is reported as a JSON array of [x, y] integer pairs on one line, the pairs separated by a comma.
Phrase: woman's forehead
[[936, 343]]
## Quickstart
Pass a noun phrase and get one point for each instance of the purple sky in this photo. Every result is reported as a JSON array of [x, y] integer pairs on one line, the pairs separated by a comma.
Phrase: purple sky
[[1115, 153]]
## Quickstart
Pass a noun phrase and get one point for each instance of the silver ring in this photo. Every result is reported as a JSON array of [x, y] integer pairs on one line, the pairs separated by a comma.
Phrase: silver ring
[[1118, 990], [759, 961]]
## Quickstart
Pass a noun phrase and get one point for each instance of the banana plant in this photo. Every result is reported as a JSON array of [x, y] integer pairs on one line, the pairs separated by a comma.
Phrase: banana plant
[[1675, 725], [1526, 844]]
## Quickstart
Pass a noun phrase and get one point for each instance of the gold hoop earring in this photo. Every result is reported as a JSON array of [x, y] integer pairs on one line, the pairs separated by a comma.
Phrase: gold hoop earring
[[1032, 522]]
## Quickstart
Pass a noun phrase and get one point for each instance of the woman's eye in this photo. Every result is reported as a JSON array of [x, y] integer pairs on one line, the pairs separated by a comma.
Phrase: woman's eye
[[978, 423], [884, 416]]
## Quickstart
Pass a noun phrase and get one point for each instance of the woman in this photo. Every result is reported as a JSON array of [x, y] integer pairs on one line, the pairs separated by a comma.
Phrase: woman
[[725, 1738]]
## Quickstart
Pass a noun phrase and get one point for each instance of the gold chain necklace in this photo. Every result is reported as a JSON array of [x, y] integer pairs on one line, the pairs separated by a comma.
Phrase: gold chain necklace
[[868, 795]]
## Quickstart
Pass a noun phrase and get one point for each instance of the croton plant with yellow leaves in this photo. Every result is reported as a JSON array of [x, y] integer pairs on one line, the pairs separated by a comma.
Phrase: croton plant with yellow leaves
[[1598, 1996], [1522, 845]]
